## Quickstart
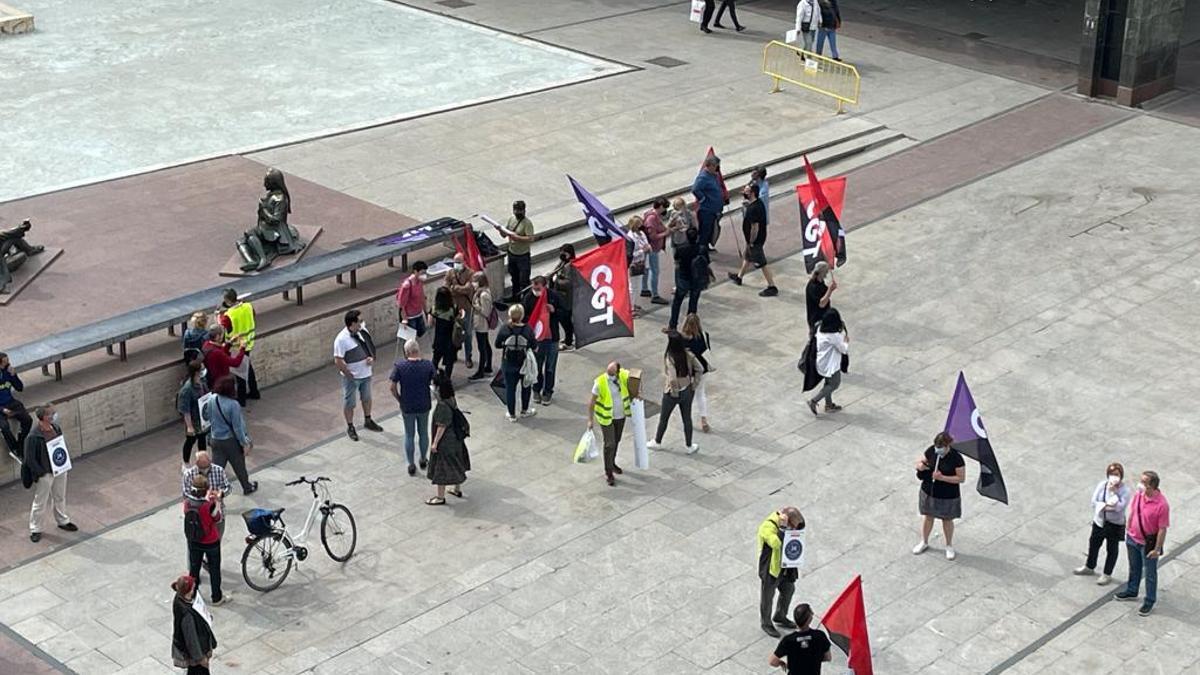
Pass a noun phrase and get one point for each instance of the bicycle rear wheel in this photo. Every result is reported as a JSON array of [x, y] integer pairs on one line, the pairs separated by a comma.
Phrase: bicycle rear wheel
[[266, 562], [339, 535]]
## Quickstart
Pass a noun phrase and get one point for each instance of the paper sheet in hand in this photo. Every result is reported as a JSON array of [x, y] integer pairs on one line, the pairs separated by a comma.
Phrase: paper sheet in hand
[[243, 370], [791, 36], [202, 609], [60, 459], [404, 333], [205, 404], [641, 453], [794, 548]]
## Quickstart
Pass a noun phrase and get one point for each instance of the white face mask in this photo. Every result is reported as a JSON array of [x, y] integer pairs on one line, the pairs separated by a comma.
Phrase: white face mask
[[1141, 487], [54, 418], [1113, 481], [458, 267], [940, 451]]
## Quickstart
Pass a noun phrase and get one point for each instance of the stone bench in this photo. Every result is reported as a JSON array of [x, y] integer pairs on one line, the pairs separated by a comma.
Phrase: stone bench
[[14, 21]]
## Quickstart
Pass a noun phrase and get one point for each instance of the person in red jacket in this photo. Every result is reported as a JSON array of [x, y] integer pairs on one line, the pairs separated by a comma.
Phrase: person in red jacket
[[218, 360], [202, 511]]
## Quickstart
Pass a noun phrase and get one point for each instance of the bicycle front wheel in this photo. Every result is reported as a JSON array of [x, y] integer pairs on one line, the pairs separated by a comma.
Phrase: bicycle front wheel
[[266, 562], [339, 535]]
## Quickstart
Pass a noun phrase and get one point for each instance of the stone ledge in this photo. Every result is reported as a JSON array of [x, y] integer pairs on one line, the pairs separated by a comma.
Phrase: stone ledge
[[14, 21]]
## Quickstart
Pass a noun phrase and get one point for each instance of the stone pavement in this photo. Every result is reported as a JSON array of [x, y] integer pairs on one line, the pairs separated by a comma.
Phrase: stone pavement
[[1069, 301]]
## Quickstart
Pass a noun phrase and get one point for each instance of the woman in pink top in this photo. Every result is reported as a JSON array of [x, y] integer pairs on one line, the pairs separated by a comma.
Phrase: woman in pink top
[[1149, 517]]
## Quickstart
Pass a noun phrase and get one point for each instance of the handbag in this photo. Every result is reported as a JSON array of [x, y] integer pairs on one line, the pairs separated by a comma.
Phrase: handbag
[[1151, 538], [697, 12], [637, 269]]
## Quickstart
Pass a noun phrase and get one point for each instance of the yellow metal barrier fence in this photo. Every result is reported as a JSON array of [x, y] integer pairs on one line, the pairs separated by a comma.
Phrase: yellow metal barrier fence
[[814, 72]]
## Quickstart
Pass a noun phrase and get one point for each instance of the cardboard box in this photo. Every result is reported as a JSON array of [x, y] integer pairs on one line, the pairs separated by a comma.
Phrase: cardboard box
[[635, 382]]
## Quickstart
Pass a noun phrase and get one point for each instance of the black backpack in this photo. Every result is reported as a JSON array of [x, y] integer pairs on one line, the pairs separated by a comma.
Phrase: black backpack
[[514, 348], [193, 526]]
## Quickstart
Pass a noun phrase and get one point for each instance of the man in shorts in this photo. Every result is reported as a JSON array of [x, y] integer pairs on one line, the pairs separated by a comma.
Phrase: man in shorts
[[353, 354], [754, 230]]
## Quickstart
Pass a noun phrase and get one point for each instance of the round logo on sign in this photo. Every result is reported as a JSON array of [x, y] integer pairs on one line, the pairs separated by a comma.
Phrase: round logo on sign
[[60, 457], [793, 549], [977, 424]]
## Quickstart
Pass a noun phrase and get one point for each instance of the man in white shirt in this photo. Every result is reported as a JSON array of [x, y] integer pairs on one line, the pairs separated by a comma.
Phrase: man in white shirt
[[353, 354]]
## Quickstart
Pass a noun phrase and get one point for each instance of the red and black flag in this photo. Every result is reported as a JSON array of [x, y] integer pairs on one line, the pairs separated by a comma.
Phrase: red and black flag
[[469, 249], [720, 174], [965, 426], [539, 318], [846, 621], [820, 224], [600, 304]]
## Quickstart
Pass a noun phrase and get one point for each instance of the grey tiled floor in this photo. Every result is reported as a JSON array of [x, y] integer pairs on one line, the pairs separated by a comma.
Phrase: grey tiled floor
[[546, 569]]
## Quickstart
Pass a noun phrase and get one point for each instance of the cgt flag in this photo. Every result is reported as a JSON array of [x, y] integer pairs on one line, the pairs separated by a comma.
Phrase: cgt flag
[[599, 218], [820, 213], [846, 621], [469, 249], [600, 304], [965, 426]]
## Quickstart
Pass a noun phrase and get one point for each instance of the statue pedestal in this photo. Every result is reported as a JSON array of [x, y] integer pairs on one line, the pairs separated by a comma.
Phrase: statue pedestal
[[308, 233], [28, 272], [14, 21]]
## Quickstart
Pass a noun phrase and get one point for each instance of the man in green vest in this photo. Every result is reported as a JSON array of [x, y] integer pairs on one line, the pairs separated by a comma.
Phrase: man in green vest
[[609, 406], [771, 570], [238, 319]]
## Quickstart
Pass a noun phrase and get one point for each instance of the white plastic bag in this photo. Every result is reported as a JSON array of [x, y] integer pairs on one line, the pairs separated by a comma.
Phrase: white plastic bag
[[586, 449], [697, 13]]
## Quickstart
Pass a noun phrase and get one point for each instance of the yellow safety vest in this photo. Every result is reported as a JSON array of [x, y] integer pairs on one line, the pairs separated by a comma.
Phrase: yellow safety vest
[[768, 535], [241, 316], [604, 402]]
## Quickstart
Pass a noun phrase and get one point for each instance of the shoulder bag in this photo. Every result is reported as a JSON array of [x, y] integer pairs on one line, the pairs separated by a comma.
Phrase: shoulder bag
[[1150, 537]]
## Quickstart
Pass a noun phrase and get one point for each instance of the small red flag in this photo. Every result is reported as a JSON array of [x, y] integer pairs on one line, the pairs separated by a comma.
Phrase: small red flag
[[539, 319], [720, 175], [846, 621], [468, 248]]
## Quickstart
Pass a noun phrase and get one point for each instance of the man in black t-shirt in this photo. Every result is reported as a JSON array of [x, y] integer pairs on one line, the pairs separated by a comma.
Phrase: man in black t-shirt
[[803, 651], [817, 295], [754, 230]]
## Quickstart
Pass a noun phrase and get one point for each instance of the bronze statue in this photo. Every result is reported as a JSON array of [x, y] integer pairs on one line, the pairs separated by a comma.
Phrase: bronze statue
[[272, 236], [14, 251]]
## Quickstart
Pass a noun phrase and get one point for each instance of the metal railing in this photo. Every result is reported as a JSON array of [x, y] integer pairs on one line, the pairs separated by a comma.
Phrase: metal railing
[[785, 63]]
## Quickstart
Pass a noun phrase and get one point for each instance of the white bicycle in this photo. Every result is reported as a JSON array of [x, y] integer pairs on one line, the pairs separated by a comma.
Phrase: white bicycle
[[271, 548]]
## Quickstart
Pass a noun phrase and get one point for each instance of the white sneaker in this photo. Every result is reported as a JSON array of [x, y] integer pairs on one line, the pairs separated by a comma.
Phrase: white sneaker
[[510, 418], [920, 548], [950, 554], [1084, 571], [1103, 580], [223, 601], [183, 469], [529, 413], [653, 444], [693, 449]]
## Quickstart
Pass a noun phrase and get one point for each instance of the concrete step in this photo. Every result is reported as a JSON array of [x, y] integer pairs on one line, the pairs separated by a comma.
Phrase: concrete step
[[14, 21], [829, 157]]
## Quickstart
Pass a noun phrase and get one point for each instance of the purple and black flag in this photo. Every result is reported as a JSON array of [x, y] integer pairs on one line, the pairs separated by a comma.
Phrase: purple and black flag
[[965, 426], [599, 217]]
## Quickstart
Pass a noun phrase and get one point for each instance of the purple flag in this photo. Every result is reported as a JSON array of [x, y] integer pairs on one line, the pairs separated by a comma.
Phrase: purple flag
[[599, 218], [965, 426]]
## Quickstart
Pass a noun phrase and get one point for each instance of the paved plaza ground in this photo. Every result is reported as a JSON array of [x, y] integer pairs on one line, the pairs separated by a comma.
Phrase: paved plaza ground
[[1042, 245]]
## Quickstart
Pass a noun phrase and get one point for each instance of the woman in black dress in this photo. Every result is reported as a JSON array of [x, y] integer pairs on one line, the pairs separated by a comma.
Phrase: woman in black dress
[[941, 470], [445, 316], [449, 461]]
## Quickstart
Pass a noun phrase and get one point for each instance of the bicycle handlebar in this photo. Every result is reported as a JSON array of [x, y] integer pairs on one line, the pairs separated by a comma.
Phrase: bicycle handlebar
[[309, 481]]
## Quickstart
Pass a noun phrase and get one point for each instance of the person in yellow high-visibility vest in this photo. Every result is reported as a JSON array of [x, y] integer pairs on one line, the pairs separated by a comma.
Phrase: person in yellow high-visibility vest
[[610, 406], [238, 319]]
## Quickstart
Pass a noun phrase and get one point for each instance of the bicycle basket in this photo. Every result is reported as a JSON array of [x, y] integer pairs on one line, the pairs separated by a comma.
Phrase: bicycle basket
[[258, 521]]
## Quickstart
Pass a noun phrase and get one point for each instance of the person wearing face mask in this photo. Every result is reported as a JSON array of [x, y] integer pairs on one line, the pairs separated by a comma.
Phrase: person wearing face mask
[[546, 350], [754, 231], [460, 281], [48, 487], [941, 470], [410, 299], [1149, 518], [563, 282], [1109, 500], [653, 224], [187, 404], [519, 233], [610, 406]]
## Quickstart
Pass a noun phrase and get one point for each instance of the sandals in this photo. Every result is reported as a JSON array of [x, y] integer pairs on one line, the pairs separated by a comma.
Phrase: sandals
[[457, 493], [435, 501]]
